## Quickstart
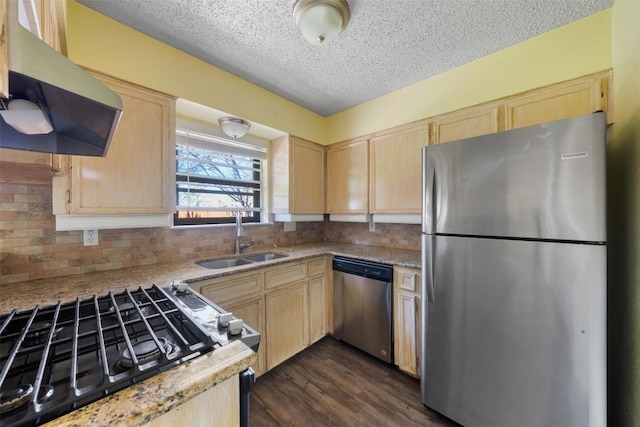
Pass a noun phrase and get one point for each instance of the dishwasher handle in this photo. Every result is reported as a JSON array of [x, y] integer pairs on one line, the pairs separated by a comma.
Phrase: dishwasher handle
[[370, 270]]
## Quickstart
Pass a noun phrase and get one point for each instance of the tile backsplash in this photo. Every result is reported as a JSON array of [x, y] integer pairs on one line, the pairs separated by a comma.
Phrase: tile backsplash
[[31, 248], [398, 236]]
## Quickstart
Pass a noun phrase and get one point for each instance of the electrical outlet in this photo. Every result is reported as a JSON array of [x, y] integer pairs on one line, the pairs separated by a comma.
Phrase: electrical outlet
[[372, 226], [90, 237], [289, 226]]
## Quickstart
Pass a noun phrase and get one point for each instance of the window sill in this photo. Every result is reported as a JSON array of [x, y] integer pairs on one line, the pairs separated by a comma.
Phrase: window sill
[[244, 224]]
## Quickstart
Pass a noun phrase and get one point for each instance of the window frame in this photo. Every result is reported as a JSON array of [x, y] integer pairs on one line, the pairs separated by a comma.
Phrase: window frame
[[259, 175]]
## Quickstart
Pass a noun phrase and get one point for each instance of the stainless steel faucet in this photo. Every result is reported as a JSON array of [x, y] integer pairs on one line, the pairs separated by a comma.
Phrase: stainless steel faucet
[[239, 235]]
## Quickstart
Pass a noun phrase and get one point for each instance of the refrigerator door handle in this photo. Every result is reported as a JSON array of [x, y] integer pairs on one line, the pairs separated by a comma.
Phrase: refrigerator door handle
[[428, 264], [428, 195]]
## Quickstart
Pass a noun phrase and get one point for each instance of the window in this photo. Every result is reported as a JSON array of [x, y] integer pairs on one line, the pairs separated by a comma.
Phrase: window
[[216, 179]]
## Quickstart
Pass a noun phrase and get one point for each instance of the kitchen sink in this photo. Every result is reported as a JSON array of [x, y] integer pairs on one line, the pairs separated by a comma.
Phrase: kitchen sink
[[264, 257], [224, 263], [240, 260]]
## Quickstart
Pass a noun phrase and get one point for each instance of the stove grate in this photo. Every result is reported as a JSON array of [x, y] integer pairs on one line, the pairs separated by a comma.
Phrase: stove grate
[[71, 354]]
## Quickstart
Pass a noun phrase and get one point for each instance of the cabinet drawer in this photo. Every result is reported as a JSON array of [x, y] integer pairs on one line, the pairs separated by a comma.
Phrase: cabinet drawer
[[408, 279], [236, 287], [287, 273], [316, 267]]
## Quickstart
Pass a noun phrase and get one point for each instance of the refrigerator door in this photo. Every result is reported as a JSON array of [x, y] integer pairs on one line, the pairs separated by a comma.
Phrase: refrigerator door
[[515, 335], [541, 182]]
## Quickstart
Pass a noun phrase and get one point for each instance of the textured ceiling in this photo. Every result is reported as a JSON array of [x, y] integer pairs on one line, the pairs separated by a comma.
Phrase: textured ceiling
[[388, 44]]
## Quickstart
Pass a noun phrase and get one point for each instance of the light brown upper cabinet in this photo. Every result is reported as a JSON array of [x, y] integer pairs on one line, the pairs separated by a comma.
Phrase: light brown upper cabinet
[[135, 175], [572, 98], [396, 170], [52, 17], [467, 123], [348, 177], [297, 176]]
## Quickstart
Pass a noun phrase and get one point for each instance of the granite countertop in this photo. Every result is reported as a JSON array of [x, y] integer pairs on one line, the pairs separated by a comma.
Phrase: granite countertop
[[25, 295], [141, 403]]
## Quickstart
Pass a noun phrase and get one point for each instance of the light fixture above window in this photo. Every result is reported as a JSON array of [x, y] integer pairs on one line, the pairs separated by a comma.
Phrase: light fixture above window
[[233, 126], [321, 21]]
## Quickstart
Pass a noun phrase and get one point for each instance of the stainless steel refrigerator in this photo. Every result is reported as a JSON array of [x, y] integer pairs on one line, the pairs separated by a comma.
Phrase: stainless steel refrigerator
[[514, 277]]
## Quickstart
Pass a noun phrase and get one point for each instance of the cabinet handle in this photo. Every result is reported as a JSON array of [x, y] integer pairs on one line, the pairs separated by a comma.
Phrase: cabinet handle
[[69, 196]]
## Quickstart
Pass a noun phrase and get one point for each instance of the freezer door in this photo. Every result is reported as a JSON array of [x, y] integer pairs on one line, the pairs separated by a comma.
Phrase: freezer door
[[543, 182], [515, 333]]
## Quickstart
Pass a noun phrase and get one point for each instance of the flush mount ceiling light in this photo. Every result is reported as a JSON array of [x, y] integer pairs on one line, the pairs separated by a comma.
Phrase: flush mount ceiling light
[[321, 21], [234, 126]]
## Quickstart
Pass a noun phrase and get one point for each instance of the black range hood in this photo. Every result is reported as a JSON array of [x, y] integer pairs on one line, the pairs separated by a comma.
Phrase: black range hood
[[83, 112]]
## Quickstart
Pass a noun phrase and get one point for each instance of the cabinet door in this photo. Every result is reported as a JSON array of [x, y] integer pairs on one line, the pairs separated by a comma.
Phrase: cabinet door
[[134, 176], [407, 319], [317, 309], [307, 177], [396, 171], [252, 314], [560, 101], [220, 403], [287, 321], [407, 332], [348, 178], [467, 123]]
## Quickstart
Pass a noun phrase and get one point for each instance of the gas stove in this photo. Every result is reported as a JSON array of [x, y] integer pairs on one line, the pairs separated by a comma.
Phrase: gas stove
[[59, 358]]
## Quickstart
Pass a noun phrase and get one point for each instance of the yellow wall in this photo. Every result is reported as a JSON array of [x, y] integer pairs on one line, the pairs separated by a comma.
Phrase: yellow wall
[[624, 219], [573, 50], [98, 42], [580, 48]]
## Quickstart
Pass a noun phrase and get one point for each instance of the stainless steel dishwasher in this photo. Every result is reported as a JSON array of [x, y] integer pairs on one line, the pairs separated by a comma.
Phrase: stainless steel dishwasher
[[362, 306]]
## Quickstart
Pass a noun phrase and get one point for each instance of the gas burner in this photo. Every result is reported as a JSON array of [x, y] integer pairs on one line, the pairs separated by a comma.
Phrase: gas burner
[[38, 333], [146, 351], [128, 310], [92, 334], [15, 398]]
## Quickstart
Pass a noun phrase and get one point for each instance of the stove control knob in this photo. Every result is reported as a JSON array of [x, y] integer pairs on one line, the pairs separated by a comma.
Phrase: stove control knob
[[180, 286], [224, 319], [235, 327]]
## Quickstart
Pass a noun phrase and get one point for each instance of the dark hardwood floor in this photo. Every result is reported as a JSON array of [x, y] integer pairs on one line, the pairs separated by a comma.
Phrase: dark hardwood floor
[[334, 384]]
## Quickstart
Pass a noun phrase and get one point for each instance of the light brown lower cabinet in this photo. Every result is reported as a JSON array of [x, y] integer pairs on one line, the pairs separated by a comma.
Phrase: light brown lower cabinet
[[286, 303], [220, 403], [287, 323], [317, 309], [407, 300]]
